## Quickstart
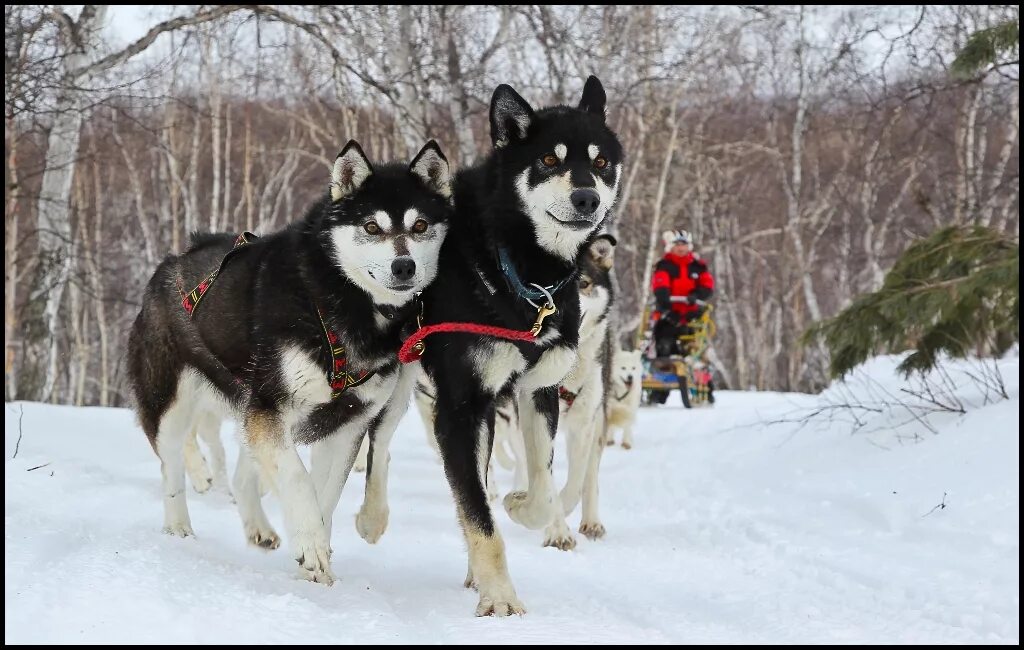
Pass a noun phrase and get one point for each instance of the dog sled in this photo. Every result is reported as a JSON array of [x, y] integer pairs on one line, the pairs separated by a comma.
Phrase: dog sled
[[688, 370]]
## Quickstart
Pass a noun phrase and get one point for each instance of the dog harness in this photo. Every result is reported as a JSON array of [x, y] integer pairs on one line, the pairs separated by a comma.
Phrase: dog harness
[[413, 347], [567, 396], [341, 377], [525, 292]]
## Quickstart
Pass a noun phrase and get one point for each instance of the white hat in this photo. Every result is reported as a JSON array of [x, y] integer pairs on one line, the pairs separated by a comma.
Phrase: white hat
[[674, 236]]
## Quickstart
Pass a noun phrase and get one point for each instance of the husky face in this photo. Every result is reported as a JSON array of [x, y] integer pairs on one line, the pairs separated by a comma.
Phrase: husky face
[[565, 165], [626, 369], [386, 226], [595, 282]]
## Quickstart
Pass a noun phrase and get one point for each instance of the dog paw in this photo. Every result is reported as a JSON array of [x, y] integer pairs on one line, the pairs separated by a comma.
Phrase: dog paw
[[626, 445], [221, 485], [592, 530], [179, 529], [527, 510], [497, 606], [371, 523], [262, 536], [313, 554], [559, 537]]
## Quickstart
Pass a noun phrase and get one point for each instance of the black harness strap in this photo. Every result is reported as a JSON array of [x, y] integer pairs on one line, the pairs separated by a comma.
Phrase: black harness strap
[[190, 300], [340, 378]]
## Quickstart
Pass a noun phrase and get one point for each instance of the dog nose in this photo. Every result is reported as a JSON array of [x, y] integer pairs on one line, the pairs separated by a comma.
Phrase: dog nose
[[585, 201], [403, 268]]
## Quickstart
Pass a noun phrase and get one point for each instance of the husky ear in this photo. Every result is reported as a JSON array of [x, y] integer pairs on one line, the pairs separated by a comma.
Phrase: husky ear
[[594, 99], [510, 116], [432, 168], [351, 169], [602, 251]]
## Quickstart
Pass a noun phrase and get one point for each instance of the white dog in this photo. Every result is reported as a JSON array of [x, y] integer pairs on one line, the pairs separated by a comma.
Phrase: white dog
[[624, 398]]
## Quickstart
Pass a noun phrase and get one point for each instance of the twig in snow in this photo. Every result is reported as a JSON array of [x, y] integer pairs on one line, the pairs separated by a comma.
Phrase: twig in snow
[[21, 414], [941, 506]]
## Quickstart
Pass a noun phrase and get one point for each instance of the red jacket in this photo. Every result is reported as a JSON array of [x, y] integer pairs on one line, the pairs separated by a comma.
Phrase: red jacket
[[681, 276]]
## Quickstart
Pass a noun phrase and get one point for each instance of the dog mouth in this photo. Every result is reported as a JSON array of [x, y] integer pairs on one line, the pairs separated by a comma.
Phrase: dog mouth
[[400, 288], [573, 224], [628, 381]]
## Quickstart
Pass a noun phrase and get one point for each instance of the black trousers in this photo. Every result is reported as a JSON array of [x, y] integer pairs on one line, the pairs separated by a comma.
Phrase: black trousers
[[666, 337]]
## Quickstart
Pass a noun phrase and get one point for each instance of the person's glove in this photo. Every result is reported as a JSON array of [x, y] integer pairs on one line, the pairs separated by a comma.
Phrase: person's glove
[[662, 299]]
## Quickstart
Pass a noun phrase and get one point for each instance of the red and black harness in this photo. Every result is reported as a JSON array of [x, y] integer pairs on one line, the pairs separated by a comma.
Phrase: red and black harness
[[567, 396], [341, 376]]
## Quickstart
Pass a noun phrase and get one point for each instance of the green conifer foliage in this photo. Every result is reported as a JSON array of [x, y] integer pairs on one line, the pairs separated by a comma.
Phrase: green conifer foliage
[[983, 48], [956, 292]]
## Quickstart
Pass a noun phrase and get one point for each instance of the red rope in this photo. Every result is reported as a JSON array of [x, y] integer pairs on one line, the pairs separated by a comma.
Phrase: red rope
[[407, 354]]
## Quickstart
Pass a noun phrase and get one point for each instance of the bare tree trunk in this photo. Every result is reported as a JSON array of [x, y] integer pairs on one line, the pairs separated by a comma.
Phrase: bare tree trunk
[[176, 185], [458, 102], [226, 203], [53, 212], [135, 180], [654, 236], [93, 255], [247, 189], [192, 183], [1012, 127], [410, 101], [54, 231], [11, 210], [213, 70]]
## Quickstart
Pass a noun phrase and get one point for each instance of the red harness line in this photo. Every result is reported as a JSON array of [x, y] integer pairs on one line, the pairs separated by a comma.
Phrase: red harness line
[[412, 349]]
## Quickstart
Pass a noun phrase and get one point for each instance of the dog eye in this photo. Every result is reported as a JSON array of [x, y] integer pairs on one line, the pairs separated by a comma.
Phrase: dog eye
[[372, 228], [584, 284], [420, 226], [550, 160], [600, 162]]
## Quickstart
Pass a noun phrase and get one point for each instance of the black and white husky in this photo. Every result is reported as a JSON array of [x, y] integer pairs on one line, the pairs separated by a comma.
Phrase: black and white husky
[[583, 399], [584, 396], [523, 217], [296, 335]]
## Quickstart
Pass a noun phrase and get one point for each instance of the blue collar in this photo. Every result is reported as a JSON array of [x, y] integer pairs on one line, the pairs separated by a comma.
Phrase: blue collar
[[530, 294]]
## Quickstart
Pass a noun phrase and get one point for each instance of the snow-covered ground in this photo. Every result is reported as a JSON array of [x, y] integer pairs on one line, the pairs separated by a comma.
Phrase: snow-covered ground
[[725, 525]]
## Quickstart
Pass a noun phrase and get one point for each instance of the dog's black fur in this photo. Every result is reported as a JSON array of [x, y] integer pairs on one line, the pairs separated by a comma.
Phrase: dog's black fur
[[470, 287], [265, 302], [264, 296]]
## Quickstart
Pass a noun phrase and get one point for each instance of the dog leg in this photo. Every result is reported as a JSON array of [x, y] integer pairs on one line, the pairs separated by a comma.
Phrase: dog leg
[[195, 464], [590, 523], [332, 459], [364, 450], [424, 398], [175, 426], [538, 413], [372, 519], [514, 435], [258, 530], [627, 436], [209, 430], [461, 423], [273, 448], [581, 430]]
